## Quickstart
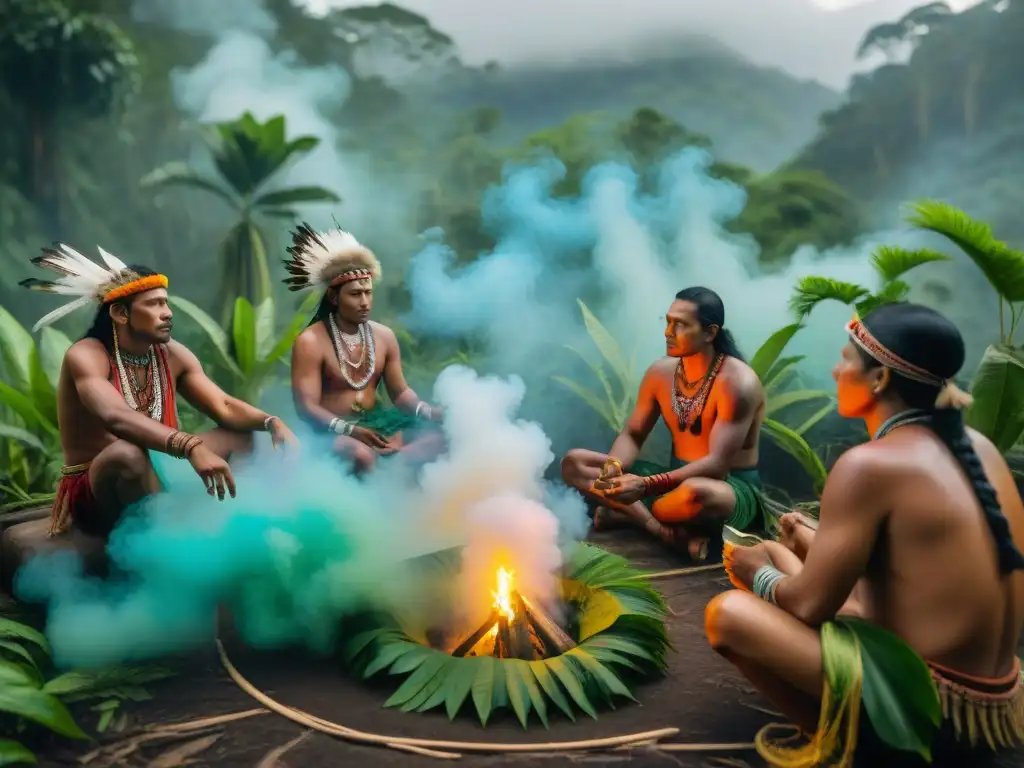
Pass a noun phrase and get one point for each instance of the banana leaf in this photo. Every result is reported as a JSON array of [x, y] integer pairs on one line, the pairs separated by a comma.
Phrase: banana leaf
[[998, 390], [769, 352], [793, 444]]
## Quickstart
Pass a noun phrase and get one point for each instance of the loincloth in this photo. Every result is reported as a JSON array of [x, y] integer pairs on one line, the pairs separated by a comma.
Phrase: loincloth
[[983, 709], [390, 421], [750, 512], [75, 500]]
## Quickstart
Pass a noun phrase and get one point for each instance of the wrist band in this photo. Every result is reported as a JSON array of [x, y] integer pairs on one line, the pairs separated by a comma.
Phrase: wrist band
[[766, 579], [420, 408], [181, 444], [266, 423], [340, 426], [659, 484]]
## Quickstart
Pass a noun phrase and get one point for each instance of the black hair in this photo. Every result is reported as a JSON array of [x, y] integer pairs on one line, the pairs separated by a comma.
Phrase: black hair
[[102, 328], [924, 338], [711, 311]]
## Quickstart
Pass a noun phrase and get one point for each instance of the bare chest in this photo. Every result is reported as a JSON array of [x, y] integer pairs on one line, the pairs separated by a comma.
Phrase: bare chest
[[353, 362]]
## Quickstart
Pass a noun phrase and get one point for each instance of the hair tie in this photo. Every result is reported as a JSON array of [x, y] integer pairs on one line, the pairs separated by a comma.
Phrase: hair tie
[[952, 397]]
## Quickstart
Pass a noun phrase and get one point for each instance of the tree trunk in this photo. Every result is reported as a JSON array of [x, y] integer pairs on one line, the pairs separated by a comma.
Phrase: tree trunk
[[42, 176]]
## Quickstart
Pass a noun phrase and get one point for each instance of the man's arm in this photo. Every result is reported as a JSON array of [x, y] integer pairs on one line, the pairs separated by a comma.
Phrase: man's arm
[[638, 427], [736, 411], [307, 381], [200, 391], [401, 394], [90, 372], [852, 511]]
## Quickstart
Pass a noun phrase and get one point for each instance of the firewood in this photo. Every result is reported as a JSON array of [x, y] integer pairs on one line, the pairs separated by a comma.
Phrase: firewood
[[470, 642], [552, 635]]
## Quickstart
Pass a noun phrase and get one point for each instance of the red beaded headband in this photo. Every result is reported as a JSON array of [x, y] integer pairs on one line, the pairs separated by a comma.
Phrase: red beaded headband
[[862, 338], [348, 277]]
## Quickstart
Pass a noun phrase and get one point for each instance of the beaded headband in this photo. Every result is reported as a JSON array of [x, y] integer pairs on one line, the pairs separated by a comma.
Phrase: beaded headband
[[950, 395], [86, 280]]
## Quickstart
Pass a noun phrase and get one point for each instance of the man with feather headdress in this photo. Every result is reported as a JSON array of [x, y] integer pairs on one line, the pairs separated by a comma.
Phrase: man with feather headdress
[[116, 395], [339, 360]]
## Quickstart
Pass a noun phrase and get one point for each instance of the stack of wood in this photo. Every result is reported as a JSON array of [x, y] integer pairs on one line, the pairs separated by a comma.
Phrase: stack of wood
[[530, 635]]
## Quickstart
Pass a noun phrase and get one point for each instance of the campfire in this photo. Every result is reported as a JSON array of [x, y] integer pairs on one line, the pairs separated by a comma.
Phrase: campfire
[[515, 628]]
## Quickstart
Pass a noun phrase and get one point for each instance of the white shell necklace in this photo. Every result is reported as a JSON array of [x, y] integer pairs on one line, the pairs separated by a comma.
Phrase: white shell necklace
[[129, 385], [368, 357]]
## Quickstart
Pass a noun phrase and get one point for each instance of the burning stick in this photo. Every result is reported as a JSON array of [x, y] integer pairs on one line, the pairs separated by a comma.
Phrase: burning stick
[[470, 642], [552, 635], [520, 643]]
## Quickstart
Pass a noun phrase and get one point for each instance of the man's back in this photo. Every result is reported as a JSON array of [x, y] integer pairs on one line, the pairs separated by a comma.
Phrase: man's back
[[935, 576]]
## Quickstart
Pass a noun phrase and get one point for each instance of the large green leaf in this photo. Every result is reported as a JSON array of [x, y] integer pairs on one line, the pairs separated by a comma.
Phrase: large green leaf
[[998, 390], [1002, 266], [16, 347], [783, 400], [217, 336], [899, 694], [20, 696], [15, 753], [287, 339], [605, 342], [891, 262], [263, 328], [798, 448], [26, 410], [769, 352], [183, 175], [294, 195], [53, 345], [812, 290], [22, 436], [602, 408], [15, 630], [487, 670], [243, 335]]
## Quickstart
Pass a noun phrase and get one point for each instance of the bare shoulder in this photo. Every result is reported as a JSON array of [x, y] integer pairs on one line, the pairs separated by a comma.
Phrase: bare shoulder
[[383, 332], [863, 469], [178, 352], [310, 341], [992, 458], [740, 380], [87, 357]]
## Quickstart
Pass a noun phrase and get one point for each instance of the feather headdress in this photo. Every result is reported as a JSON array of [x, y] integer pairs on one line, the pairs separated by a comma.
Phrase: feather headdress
[[86, 280], [322, 260]]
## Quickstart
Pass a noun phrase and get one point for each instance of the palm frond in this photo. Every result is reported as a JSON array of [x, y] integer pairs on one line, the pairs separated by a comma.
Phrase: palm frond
[[891, 293], [620, 633], [1002, 266], [892, 263], [810, 291]]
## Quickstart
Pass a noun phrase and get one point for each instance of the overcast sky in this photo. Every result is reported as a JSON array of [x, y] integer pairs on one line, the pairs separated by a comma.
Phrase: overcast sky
[[810, 38]]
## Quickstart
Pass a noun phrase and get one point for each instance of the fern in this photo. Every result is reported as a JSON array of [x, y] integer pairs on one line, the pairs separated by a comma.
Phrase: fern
[[812, 290]]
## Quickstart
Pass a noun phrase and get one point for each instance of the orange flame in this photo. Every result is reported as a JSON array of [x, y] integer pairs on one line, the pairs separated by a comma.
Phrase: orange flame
[[503, 597]]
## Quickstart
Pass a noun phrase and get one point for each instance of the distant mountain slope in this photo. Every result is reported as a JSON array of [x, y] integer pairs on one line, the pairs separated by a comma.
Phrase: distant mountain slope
[[754, 115]]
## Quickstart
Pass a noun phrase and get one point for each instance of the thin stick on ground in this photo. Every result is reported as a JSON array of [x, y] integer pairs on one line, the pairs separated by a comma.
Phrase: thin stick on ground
[[432, 747]]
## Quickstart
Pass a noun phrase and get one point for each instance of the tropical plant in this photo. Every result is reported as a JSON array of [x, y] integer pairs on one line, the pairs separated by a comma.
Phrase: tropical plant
[[31, 693], [28, 409], [998, 384], [890, 264], [250, 350], [618, 393], [620, 630], [248, 155], [56, 63]]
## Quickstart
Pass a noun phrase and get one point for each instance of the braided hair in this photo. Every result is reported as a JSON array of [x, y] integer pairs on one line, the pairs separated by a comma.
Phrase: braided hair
[[925, 338]]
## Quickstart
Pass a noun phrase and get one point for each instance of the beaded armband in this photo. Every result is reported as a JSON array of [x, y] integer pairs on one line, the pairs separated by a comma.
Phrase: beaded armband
[[340, 426], [766, 579], [660, 484]]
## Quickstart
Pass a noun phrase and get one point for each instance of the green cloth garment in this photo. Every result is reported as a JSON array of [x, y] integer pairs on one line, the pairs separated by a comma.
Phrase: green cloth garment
[[387, 421], [874, 686], [749, 514]]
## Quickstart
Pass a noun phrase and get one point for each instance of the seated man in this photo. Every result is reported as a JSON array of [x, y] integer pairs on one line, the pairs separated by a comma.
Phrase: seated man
[[713, 404], [919, 535], [116, 396], [339, 360]]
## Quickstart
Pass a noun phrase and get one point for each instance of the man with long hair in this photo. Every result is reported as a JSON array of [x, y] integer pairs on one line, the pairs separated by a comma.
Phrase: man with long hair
[[917, 552], [341, 358], [713, 405], [116, 396]]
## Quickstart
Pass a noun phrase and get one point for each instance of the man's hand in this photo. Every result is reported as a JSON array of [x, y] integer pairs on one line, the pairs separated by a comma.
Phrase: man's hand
[[368, 437], [624, 489], [280, 435], [214, 470]]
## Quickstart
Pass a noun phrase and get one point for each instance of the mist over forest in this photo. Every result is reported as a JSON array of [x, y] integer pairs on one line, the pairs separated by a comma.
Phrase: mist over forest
[[192, 136]]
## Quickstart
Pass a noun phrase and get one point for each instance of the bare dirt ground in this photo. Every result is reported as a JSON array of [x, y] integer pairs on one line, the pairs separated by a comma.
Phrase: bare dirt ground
[[702, 696]]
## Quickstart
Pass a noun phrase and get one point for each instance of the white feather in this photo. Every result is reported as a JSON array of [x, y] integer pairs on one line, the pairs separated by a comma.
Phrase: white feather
[[87, 267], [60, 312], [115, 264]]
